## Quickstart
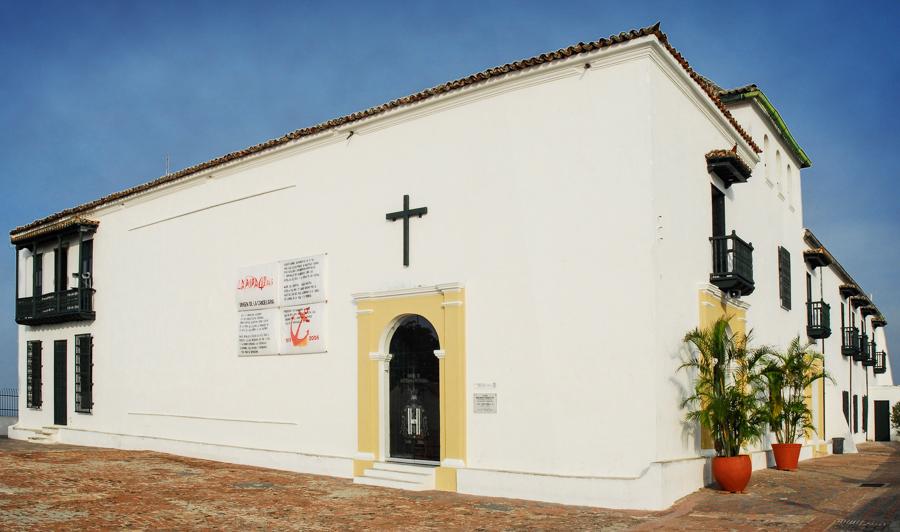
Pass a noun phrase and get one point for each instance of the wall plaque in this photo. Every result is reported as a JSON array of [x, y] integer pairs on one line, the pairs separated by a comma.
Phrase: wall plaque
[[302, 280], [258, 332], [255, 287], [302, 329], [485, 403]]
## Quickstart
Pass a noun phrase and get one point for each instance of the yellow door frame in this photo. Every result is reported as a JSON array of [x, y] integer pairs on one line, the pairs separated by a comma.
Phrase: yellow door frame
[[377, 316]]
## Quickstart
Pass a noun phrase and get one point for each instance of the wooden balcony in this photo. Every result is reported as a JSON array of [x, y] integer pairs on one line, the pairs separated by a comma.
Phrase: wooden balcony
[[869, 360], [76, 304], [880, 363], [863, 352], [732, 265], [818, 319], [850, 341]]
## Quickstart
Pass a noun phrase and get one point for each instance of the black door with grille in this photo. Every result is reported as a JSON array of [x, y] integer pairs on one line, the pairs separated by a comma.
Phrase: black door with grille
[[882, 421], [414, 392], [59, 382]]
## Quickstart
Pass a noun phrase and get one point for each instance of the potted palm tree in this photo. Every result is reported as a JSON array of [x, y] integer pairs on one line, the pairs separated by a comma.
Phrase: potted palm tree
[[727, 398], [787, 376]]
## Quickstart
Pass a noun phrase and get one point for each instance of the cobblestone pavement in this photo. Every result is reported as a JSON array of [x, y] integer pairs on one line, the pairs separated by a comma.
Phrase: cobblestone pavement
[[67, 487]]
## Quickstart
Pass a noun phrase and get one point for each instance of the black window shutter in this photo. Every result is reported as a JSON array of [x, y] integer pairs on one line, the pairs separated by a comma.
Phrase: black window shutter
[[84, 383], [718, 212], [33, 374], [865, 413], [62, 267], [38, 275], [784, 277], [846, 404]]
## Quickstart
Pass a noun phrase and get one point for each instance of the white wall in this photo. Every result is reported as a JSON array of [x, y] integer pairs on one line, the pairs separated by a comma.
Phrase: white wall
[[545, 173]]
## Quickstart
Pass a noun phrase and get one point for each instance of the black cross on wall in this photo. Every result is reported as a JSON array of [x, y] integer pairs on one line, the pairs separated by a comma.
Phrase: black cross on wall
[[405, 215]]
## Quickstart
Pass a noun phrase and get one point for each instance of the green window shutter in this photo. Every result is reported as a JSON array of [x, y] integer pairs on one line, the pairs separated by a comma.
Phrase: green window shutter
[[784, 277]]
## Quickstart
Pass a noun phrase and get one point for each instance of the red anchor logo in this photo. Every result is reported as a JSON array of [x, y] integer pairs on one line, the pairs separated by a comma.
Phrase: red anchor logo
[[303, 316]]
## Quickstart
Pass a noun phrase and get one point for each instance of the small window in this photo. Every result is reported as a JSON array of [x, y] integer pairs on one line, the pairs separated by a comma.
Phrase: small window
[[33, 374], [784, 277], [778, 170], [855, 413], [84, 364]]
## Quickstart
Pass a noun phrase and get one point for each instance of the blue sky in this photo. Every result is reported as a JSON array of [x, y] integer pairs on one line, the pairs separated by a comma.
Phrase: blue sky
[[94, 95]]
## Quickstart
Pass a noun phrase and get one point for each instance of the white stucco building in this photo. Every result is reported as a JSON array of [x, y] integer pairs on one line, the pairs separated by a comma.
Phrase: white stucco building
[[519, 338]]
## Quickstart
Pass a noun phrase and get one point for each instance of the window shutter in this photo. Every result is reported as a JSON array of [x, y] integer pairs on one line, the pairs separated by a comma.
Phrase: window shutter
[[33, 374], [37, 280], [84, 383], [845, 396], [784, 277]]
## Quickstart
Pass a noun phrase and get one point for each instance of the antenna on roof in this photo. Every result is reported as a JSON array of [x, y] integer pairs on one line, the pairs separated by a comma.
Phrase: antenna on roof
[[167, 164]]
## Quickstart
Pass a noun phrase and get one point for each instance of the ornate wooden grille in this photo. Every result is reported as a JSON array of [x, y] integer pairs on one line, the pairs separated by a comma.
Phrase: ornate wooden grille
[[84, 364], [33, 374]]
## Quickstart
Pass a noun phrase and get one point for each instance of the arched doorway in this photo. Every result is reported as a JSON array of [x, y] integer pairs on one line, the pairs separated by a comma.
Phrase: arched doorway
[[414, 392]]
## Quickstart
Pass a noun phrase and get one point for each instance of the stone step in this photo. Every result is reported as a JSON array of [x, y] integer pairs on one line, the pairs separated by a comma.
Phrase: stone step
[[404, 468], [421, 478], [388, 483]]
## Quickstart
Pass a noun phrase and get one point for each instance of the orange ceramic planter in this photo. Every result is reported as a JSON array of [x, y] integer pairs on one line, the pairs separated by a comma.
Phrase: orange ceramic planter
[[786, 455], [732, 473]]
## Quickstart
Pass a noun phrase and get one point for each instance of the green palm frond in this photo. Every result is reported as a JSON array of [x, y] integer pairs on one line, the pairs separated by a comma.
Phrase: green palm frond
[[727, 398]]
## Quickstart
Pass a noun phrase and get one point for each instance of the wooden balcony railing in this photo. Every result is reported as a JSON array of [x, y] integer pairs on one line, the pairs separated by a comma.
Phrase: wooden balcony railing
[[850, 341], [818, 319], [863, 353], [880, 363], [76, 304], [732, 264]]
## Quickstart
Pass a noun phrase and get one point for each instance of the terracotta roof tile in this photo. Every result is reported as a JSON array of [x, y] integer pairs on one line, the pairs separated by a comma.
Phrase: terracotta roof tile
[[499, 71], [732, 157], [52, 228]]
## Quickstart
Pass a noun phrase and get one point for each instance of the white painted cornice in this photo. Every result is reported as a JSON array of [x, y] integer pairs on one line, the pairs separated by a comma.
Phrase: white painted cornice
[[413, 291]]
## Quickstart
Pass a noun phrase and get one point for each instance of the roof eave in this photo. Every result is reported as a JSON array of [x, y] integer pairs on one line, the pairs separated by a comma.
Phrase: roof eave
[[753, 93]]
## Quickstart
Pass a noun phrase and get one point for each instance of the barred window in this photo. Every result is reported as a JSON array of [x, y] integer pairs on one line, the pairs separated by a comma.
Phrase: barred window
[[33, 374], [84, 364], [784, 277]]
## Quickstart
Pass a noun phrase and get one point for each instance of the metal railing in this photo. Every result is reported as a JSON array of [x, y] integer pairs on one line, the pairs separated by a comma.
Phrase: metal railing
[[732, 263], [818, 319], [9, 402], [880, 363], [850, 341], [863, 353]]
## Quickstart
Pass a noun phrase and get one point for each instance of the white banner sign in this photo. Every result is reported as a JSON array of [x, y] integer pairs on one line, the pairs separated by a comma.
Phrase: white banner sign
[[258, 332], [256, 288], [302, 329], [302, 280]]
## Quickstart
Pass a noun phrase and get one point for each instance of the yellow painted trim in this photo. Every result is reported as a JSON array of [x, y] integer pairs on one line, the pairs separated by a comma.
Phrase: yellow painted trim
[[819, 422], [445, 479], [445, 309], [360, 466], [711, 309]]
